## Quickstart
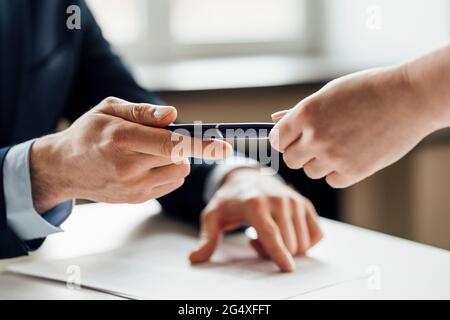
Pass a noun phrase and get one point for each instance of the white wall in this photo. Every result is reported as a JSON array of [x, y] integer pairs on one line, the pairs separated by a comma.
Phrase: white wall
[[349, 29]]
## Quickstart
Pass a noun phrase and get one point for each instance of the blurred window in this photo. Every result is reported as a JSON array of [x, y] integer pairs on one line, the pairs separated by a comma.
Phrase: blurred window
[[231, 21], [121, 21], [171, 28]]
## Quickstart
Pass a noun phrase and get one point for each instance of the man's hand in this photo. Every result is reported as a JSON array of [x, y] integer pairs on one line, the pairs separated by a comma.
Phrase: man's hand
[[354, 126], [286, 222], [115, 153]]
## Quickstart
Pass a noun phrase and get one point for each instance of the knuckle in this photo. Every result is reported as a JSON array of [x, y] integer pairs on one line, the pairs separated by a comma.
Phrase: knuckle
[[290, 161], [293, 201], [333, 154], [332, 183], [255, 203], [352, 170], [277, 201], [345, 184], [317, 136], [310, 172], [119, 136], [310, 175], [129, 185], [167, 146], [306, 202], [122, 169], [309, 109], [287, 126], [335, 182], [301, 212], [134, 194], [207, 217], [137, 112], [109, 100], [268, 231]]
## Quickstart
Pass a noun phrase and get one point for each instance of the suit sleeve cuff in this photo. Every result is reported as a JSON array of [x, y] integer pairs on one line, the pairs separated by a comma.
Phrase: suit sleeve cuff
[[216, 176], [22, 218]]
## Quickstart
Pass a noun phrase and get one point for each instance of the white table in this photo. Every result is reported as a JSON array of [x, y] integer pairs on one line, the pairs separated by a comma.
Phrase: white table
[[400, 268]]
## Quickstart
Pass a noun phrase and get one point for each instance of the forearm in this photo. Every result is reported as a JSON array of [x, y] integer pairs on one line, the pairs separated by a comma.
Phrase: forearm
[[430, 79]]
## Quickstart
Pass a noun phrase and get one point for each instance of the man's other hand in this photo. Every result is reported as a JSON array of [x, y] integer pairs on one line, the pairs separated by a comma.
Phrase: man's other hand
[[286, 222]]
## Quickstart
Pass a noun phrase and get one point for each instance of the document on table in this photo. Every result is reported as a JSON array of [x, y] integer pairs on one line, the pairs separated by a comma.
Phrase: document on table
[[156, 267]]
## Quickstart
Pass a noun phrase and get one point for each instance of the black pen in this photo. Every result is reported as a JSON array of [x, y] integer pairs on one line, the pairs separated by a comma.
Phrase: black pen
[[243, 130]]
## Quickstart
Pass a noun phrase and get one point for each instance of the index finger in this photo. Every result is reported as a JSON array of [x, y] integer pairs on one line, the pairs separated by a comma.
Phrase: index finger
[[270, 237], [290, 127], [285, 132], [164, 143]]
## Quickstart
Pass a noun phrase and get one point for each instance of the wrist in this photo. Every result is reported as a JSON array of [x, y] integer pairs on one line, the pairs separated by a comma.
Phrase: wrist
[[428, 78], [48, 190], [241, 175], [413, 99]]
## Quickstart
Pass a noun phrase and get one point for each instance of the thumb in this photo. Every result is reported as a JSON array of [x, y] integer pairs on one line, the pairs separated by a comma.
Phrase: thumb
[[210, 237], [142, 113]]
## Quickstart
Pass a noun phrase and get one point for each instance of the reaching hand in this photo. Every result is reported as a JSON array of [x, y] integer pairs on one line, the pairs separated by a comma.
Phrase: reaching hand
[[353, 127]]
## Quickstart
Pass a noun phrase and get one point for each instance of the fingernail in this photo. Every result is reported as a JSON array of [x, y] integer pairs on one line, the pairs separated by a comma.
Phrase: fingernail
[[277, 114], [280, 114], [277, 119], [162, 111]]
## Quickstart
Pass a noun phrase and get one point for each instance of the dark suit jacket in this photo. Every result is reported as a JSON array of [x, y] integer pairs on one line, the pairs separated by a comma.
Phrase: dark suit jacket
[[48, 72]]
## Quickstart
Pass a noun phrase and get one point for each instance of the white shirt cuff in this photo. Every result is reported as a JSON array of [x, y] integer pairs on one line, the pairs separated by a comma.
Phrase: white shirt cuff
[[216, 176], [22, 218]]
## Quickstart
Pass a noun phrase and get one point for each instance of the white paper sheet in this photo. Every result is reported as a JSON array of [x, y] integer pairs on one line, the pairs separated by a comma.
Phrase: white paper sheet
[[156, 267]]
